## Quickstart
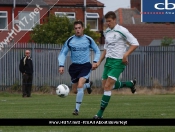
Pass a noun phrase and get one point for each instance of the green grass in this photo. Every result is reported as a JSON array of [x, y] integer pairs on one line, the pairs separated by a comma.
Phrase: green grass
[[120, 106]]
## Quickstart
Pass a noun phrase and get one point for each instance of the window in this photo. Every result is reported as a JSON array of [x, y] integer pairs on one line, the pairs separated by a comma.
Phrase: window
[[70, 15], [3, 20], [27, 20], [92, 20]]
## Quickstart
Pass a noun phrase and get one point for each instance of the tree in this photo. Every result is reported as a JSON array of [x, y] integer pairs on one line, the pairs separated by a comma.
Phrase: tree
[[56, 30], [166, 41], [92, 34]]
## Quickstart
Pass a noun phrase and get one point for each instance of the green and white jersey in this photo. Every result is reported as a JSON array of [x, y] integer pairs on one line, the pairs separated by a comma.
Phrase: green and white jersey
[[117, 40]]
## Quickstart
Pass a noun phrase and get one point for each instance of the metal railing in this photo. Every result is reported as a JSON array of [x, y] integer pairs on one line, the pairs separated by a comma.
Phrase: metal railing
[[149, 65]]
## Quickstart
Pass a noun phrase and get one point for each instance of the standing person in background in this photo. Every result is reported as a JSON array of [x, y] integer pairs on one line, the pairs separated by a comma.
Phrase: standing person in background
[[79, 45], [26, 68], [117, 39]]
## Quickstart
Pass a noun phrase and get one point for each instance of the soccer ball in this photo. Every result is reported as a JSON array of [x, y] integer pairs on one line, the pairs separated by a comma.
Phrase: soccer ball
[[62, 90]]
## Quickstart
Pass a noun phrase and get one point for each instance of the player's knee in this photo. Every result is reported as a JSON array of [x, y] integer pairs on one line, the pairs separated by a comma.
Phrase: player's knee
[[80, 86], [107, 87]]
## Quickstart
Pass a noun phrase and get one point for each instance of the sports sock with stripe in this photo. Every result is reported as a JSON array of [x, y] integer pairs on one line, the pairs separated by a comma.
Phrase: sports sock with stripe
[[79, 98], [119, 84], [104, 102]]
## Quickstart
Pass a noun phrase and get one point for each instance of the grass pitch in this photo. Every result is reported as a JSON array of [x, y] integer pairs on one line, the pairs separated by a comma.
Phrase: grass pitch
[[52, 106]]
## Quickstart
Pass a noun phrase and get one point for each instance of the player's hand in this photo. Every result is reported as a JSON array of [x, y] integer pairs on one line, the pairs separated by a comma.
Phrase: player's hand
[[125, 60], [98, 63], [94, 66], [61, 70]]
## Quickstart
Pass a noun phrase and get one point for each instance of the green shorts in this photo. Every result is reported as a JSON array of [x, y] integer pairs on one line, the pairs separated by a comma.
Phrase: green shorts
[[113, 68]]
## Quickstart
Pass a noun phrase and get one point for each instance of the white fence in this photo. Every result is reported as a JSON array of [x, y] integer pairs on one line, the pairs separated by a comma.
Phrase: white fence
[[147, 64]]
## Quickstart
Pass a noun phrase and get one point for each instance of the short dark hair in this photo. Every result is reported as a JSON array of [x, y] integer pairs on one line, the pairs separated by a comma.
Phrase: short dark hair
[[110, 14], [78, 22]]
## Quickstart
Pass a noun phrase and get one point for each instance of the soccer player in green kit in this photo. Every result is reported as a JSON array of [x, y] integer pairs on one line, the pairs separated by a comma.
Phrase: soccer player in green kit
[[117, 39]]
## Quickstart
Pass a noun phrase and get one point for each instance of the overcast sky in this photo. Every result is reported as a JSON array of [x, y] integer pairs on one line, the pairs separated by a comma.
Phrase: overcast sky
[[112, 5]]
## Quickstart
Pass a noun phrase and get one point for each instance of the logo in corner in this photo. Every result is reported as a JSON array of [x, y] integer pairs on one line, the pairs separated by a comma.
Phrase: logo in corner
[[158, 10]]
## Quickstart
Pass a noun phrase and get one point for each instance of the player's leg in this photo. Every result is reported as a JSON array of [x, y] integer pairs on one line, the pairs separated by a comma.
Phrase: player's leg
[[107, 93], [108, 84], [74, 88], [118, 83], [80, 94], [118, 67], [112, 74], [88, 85], [84, 73], [73, 72], [129, 84]]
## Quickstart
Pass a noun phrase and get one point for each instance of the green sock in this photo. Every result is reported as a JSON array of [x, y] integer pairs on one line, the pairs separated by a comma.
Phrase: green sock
[[128, 84], [104, 103], [119, 84]]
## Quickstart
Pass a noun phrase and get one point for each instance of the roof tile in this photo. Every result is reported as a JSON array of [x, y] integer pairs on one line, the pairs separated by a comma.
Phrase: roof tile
[[22, 2], [76, 2]]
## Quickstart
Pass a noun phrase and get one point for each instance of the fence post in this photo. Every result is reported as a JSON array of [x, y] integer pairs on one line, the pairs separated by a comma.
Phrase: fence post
[[32, 51], [0, 73], [142, 65], [33, 60]]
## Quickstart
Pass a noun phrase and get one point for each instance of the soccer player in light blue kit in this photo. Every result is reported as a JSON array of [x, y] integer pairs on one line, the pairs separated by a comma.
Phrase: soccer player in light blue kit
[[79, 45]]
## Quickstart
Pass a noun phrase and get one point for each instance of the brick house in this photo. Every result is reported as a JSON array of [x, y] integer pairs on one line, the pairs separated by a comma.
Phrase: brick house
[[17, 20], [11, 15], [74, 9], [136, 4], [128, 16]]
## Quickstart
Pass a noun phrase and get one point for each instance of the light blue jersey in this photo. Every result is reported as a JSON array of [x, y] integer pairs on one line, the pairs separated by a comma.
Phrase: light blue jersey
[[80, 50]]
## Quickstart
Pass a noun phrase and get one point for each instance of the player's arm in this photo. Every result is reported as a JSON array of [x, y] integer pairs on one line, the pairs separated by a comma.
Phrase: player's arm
[[132, 42], [62, 58], [102, 57], [97, 54], [130, 50]]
